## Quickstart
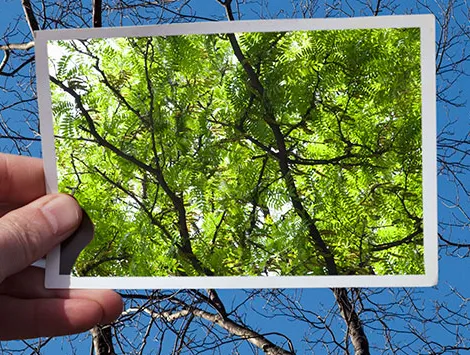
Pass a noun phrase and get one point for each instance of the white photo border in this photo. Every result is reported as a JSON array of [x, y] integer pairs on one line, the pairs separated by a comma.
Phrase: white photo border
[[426, 23]]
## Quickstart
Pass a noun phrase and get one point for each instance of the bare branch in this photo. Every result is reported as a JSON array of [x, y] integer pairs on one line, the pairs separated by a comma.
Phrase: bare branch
[[97, 13], [30, 17], [21, 46]]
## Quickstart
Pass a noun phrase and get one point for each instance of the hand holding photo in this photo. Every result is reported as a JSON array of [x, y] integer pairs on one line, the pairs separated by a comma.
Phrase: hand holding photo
[[294, 153]]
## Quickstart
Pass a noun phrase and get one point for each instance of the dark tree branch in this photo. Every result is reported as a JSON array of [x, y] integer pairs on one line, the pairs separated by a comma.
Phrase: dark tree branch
[[20, 138], [17, 69], [30, 17], [217, 302], [4, 61], [97, 13], [92, 129], [336, 160], [270, 119], [377, 8], [93, 265], [407, 240], [256, 192], [454, 244], [217, 228], [105, 80]]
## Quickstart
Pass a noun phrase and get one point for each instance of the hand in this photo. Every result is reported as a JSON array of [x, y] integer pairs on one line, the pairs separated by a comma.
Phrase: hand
[[32, 224]]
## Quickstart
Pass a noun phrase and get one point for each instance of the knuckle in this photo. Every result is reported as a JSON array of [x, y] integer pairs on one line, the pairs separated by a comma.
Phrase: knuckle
[[44, 224]]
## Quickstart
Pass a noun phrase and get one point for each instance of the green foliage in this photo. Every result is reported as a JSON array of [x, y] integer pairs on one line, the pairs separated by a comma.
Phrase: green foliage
[[191, 158]]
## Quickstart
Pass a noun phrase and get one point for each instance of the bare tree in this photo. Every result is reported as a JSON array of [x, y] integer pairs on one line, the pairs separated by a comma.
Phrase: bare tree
[[360, 321]]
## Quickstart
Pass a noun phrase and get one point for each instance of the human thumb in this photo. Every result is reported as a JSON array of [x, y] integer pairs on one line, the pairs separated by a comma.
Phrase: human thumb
[[30, 232]]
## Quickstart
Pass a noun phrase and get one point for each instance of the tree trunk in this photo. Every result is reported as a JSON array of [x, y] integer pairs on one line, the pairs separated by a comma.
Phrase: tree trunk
[[102, 340], [354, 325]]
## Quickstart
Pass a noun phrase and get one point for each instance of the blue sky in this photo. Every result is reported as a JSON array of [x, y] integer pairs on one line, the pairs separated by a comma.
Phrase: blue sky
[[452, 270]]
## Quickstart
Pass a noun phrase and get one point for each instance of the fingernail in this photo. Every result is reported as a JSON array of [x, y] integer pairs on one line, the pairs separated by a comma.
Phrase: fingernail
[[62, 213]]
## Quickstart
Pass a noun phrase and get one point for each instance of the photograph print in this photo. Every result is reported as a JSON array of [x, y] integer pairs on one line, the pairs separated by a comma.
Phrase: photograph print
[[267, 154]]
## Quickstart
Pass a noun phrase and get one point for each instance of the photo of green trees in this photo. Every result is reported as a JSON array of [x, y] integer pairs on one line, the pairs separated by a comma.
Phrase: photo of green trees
[[257, 154]]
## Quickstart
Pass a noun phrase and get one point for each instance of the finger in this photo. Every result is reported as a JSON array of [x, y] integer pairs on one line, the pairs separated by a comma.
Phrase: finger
[[6, 207], [29, 284], [30, 232], [21, 180], [22, 319]]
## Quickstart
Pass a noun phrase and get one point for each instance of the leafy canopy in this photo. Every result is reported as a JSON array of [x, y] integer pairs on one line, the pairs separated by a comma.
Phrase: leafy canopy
[[295, 153]]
